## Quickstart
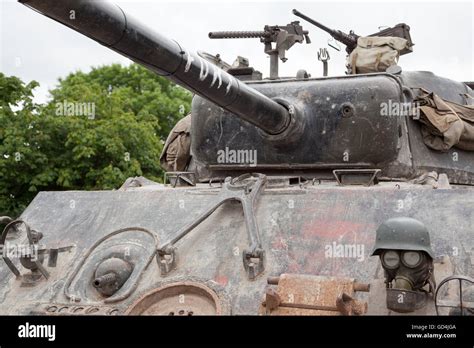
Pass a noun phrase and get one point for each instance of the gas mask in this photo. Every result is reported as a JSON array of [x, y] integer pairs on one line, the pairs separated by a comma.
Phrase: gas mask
[[409, 279], [403, 245]]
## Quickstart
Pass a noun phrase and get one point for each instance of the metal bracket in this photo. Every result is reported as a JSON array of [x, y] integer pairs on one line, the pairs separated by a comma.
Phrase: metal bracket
[[247, 193], [33, 238], [298, 294], [187, 177], [254, 262], [167, 259], [54, 253], [345, 304], [365, 177], [33, 264]]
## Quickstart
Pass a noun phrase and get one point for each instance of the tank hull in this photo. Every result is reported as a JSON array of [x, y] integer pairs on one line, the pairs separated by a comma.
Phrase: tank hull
[[315, 230]]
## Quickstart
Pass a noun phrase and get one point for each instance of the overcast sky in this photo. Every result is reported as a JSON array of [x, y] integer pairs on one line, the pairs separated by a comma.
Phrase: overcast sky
[[34, 47]]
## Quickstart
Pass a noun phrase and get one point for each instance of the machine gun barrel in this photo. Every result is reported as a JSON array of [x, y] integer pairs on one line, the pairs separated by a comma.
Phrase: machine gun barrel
[[105, 280], [237, 34], [107, 24], [349, 40]]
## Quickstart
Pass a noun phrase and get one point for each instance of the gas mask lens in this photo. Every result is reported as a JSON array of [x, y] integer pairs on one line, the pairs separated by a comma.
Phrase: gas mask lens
[[390, 259], [412, 259]]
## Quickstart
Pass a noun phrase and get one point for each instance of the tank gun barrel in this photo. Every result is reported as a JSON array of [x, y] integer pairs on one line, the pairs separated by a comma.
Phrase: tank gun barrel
[[108, 24]]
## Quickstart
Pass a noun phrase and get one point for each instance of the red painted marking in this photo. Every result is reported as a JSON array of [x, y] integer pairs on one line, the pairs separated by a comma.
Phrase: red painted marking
[[337, 230], [221, 279]]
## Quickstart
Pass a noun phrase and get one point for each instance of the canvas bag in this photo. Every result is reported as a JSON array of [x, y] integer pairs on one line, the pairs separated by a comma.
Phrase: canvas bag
[[445, 124], [375, 54]]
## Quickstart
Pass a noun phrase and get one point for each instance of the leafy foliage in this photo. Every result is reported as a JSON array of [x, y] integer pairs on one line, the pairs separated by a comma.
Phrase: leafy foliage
[[98, 129]]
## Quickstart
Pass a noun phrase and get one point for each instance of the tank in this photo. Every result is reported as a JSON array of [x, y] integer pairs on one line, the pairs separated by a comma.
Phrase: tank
[[302, 199]]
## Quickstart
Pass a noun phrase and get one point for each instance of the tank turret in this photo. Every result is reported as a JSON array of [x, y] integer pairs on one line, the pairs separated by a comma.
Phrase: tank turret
[[309, 125]]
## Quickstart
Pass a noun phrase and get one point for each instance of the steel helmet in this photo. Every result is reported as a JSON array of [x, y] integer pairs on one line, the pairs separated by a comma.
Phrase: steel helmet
[[402, 233]]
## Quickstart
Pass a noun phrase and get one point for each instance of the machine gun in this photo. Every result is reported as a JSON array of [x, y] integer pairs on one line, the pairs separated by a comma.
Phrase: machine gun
[[350, 40], [284, 38]]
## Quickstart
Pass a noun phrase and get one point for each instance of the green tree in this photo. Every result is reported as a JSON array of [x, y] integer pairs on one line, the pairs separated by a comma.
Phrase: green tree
[[98, 129]]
